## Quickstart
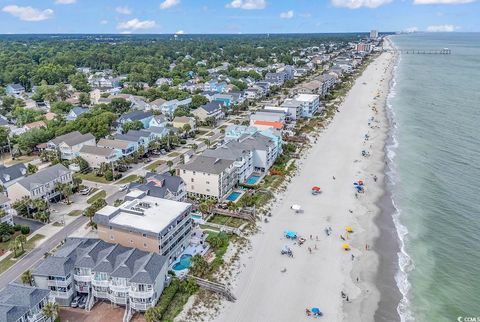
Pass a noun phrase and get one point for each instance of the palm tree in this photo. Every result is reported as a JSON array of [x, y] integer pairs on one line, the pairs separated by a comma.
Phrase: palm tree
[[13, 246], [21, 240], [169, 164], [194, 147], [187, 128], [207, 143], [50, 310], [27, 278], [199, 266]]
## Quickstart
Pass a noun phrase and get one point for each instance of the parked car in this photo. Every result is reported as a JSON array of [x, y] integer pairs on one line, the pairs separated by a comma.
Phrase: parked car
[[85, 191], [75, 301], [82, 302], [123, 187]]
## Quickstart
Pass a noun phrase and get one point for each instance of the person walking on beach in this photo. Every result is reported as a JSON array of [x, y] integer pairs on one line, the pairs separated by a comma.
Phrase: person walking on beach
[[309, 250], [353, 257], [316, 237], [333, 177], [342, 237]]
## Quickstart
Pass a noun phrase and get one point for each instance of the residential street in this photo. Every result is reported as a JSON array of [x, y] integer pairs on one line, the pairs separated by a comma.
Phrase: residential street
[[30, 259]]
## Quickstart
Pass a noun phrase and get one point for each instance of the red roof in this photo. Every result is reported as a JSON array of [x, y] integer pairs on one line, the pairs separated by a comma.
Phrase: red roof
[[277, 125]]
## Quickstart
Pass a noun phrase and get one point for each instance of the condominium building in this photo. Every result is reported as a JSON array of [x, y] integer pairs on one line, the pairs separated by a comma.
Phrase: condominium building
[[6, 210], [70, 144], [208, 177], [22, 303], [122, 275], [148, 223], [310, 104]]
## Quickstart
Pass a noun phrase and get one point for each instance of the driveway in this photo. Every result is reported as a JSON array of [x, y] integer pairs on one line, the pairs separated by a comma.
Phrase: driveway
[[101, 312], [33, 224]]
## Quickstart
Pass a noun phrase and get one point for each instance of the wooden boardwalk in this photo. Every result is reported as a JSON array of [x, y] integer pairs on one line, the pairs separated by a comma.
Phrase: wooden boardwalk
[[214, 287]]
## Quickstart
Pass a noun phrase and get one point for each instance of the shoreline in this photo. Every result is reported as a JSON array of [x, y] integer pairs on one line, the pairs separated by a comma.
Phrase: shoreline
[[259, 285]]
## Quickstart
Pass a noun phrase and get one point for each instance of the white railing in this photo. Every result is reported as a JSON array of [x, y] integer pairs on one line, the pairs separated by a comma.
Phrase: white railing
[[100, 294], [119, 288], [101, 283], [141, 294], [60, 283], [117, 299], [61, 294], [36, 317], [141, 306], [83, 278]]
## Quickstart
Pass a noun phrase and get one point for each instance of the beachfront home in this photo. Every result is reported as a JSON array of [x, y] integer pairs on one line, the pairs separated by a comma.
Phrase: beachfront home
[[23, 303], [163, 185], [268, 118], [265, 150], [124, 148], [312, 87], [10, 175], [69, 145], [95, 155], [208, 177], [212, 109], [148, 223], [242, 158], [41, 184], [75, 112], [234, 132], [103, 271], [6, 210], [310, 104]]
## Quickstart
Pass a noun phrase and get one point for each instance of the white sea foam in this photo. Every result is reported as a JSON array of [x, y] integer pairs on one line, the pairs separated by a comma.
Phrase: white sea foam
[[405, 263]]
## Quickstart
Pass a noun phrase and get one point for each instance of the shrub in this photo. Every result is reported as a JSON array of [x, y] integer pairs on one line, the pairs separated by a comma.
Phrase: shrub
[[17, 227], [25, 229], [109, 175], [5, 238]]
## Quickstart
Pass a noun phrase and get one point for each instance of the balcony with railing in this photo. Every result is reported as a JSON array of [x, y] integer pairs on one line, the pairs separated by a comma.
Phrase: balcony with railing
[[82, 278], [61, 294], [59, 281], [141, 291], [100, 293], [142, 306], [36, 317], [117, 299]]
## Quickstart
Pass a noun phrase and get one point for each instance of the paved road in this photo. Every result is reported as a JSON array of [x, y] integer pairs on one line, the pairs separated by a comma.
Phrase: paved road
[[32, 258]]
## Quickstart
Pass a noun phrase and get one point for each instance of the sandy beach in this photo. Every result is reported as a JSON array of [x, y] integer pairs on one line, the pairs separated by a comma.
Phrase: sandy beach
[[316, 279]]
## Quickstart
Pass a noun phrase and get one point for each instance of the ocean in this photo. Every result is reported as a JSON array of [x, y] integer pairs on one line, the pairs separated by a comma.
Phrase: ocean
[[434, 176]]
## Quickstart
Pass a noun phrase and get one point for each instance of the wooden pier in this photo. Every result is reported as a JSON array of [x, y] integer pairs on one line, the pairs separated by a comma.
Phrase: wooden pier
[[444, 51]]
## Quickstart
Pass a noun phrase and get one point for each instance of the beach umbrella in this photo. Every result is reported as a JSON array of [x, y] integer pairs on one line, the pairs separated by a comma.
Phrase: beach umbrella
[[296, 207], [360, 182], [355, 184], [349, 229], [315, 310], [346, 246], [316, 188]]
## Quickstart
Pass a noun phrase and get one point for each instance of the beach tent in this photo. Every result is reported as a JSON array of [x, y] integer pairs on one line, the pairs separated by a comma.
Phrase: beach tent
[[290, 234], [349, 229], [316, 188], [296, 207], [346, 246]]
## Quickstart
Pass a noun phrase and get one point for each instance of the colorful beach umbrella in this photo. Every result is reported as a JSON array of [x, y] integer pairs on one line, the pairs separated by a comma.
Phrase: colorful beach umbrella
[[349, 229], [346, 246], [316, 188]]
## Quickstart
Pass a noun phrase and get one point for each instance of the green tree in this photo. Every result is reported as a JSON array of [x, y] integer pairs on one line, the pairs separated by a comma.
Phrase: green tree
[[84, 99], [198, 100], [134, 125], [61, 107], [169, 164], [27, 278], [79, 82], [50, 310], [31, 168]]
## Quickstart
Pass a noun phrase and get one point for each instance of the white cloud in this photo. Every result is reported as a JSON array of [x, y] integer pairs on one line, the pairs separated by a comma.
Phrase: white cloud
[[442, 1], [28, 13], [126, 32], [124, 10], [442, 28], [65, 1], [136, 24], [167, 4], [247, 4], [410, 29], [180, 32], [355, 4], [287, 15], [103, 22]]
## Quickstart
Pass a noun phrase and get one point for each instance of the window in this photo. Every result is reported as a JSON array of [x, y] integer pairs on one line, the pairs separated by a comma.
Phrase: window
[[208, 190], [192, 180], [144, 235], [110, 227], [193, 188], [111, 237], [144, 244], [208, 182], [131, 241]]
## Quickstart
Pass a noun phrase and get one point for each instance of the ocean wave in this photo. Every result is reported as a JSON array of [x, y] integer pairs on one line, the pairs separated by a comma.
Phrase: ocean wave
[[405, 263]]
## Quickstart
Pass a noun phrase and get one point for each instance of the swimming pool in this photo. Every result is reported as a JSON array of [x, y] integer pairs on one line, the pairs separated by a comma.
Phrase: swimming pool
[[196, 217], [184, 263], [233, 196], [253, 179]]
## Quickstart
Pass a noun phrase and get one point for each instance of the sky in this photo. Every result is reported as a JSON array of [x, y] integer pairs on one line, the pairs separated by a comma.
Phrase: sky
[[237, 16]]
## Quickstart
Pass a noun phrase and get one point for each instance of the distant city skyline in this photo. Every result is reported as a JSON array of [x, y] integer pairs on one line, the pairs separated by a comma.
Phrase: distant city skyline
[[236, 16]]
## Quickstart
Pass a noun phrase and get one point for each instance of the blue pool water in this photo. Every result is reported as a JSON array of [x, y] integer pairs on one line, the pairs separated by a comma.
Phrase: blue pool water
[[253, 180], [197, 217], [233, 196], [184, 263]]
